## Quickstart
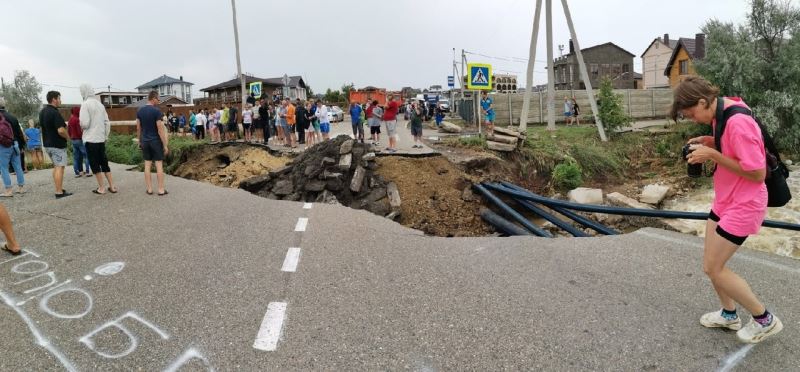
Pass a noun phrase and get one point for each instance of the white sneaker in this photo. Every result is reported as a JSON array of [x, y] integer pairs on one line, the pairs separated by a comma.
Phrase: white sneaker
[[715, 319], [755, 332]]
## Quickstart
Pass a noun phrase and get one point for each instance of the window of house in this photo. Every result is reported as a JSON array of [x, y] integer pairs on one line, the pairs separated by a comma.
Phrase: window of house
[[626, 68], [594, 69], [106, 100], [123, 100], [684, 65]]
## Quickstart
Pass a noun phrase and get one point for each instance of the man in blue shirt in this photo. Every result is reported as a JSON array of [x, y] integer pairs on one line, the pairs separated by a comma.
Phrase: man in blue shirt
[[153, 141], [355, 119]]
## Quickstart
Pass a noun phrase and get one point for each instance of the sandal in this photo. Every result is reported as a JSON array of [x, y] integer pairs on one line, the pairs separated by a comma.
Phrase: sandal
[[97, 191], [163, 193], [149, 192], [7, 195], [113, 191], [13, 253]]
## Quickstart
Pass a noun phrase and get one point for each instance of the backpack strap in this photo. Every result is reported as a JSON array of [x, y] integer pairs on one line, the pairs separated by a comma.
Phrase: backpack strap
[[769, 145]]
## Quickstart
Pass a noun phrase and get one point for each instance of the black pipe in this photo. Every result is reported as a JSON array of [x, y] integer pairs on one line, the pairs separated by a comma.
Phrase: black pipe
[[512, 213], [501, 224], [553, 219], [596, 226], [527, 195]]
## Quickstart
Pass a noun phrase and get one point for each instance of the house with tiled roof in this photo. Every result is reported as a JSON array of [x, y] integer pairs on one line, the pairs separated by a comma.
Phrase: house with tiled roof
[[272, 88], [681, 61], [603, 60], [169, 86], [654, 60]]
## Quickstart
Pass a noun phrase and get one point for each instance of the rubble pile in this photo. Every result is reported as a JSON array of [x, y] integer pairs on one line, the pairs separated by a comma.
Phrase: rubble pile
[[336, 171]]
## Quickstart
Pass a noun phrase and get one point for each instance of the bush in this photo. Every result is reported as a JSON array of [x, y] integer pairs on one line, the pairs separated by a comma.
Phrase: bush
[[120, 148], [567, 175]]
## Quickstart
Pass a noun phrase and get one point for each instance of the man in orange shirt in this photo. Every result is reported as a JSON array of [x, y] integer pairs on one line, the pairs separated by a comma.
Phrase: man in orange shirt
[[291, 121]]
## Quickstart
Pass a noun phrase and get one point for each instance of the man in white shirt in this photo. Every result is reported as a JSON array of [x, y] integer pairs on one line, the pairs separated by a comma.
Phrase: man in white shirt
[[96, 128], [200, 125], [324, 122]]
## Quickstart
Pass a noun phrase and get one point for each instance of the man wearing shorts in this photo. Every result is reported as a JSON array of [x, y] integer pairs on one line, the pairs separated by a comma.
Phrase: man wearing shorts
[[488, 113], [416, 126], [324, 123], [54, 132], [568, 111], [390, 120], [374, 115], [153, 141], [355, 120]]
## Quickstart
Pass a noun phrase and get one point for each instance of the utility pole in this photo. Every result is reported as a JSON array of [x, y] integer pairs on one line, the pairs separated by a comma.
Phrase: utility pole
[[110, 99], [238, 59], [526, 103], [551, 87]]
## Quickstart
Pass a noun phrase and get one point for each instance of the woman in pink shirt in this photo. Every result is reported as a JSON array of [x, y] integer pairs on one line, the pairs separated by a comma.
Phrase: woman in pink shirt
[[739, 207]]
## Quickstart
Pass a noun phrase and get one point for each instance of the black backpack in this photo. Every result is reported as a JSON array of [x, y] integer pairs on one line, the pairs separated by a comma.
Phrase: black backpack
[[777, 172]]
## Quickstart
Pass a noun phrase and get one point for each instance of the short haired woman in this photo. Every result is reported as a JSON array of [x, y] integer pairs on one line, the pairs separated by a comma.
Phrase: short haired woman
[[739, 206]]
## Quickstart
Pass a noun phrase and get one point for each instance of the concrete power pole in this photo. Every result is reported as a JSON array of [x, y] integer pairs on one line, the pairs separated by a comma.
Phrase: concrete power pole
[[551, 73], [238, 59], [526, 103], [584, 74]]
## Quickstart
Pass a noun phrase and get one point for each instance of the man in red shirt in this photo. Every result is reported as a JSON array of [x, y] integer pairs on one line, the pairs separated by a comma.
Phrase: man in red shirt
[[79, 156], [390, 120]]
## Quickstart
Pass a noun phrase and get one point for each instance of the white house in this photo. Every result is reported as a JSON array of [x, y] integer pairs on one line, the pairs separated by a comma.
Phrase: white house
[[169, 86], [654, 60]]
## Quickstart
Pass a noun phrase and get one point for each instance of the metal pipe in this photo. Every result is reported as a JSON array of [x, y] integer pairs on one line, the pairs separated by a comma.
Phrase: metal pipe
[[553, 219], [503, 225], [624, 211], [511, 212]]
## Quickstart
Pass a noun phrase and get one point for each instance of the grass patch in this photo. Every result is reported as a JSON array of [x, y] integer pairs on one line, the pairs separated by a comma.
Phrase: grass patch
[[121, 148], [476, 142], [624, 156]]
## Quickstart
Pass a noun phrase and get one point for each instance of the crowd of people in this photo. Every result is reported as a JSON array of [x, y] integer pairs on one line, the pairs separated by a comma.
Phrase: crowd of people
[[288, 123]]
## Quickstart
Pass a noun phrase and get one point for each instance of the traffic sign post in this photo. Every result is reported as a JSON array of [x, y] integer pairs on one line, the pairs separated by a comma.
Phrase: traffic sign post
[[451, 81], [479, 77], [255, 89]]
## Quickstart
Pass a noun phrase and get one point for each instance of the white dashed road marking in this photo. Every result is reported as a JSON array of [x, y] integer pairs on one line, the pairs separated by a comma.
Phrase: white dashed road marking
[[292, 258], [307, 205], [302, 222], [271, 326]]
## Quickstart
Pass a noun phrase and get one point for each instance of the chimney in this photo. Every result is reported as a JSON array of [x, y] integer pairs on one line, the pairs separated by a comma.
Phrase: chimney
[[571, 47], [700, 46], [666, 39], [181, 77]]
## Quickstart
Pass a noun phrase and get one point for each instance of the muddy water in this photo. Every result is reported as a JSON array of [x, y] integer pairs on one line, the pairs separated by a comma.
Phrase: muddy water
[[777, 241]]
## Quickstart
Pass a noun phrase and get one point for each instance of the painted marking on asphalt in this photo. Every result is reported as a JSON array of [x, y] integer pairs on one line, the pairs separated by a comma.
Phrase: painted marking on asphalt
[[732, 360], [744, 257], [40, 340], [291, 260], [271, 326], [87, 277], [302, 223], [36, 289], [308, 205]]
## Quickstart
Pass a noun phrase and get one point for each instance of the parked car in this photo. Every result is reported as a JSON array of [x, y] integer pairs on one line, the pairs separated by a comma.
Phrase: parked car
[[335, 114], [445, 104]]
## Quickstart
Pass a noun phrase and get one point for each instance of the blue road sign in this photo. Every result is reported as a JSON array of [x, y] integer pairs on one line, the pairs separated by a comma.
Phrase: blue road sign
[[451, 81]]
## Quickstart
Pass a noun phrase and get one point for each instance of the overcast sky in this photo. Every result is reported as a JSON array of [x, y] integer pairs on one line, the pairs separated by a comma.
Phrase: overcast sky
[[390, 44]]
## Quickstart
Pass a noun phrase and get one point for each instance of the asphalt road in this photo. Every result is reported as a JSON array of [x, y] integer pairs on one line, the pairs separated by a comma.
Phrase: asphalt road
[[134, 281]]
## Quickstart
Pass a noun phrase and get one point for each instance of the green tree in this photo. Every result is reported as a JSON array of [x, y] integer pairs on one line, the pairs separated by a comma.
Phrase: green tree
[[333, 96], [758, 60], [22, 97], [611, 110], [346, 88]]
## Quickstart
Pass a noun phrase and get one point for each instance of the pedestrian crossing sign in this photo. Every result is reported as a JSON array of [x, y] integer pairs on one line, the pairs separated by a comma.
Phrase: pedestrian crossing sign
[[480, 76], [255, 89]]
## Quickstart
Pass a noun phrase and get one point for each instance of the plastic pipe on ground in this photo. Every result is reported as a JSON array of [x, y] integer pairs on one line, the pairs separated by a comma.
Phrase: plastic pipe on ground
[[501, 224], [586, 222], [536, 230], [624, 211]]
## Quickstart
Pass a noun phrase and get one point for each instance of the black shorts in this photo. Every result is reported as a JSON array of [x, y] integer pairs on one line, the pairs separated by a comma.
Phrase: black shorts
[[374, 130], [738, 240], [416, 130], [98, 161], [221, 128], [233, 127], [246, 126], [153, 150]]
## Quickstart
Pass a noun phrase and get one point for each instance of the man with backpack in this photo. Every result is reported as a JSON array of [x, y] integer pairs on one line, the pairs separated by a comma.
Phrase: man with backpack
[[54, 132], [10, 135]]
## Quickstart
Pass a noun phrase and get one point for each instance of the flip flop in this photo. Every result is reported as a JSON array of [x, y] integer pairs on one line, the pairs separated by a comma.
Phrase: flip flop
[[4, 195], [113, 191], [13, 253], [163, 193], [149, 192], [96, 191]]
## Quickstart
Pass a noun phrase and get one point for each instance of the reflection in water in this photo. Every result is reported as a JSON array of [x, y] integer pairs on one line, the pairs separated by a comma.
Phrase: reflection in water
[[778, 241]]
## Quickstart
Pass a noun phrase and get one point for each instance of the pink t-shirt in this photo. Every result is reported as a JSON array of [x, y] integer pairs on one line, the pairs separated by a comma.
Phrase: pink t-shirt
[[741, 204]]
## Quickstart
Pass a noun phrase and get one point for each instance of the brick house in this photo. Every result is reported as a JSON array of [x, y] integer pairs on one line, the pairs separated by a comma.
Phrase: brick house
[[604, 60], [681, 61]]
